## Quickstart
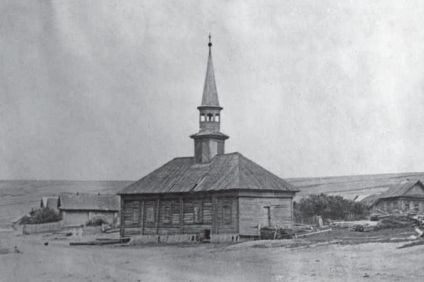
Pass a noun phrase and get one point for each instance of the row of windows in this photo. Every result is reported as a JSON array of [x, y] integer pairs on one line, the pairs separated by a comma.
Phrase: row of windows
[[408, 205], [171, 216], [416, 206], [209, 117]]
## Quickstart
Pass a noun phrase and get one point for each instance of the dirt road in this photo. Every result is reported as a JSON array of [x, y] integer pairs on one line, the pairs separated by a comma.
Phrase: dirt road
[[206, 262]]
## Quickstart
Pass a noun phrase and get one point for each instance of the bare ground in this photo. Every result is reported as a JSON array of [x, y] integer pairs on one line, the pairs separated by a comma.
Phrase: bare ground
[[313, 259]]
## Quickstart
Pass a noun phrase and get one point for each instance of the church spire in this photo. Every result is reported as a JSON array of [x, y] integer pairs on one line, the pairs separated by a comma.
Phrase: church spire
[[210, 94], [209, 141]]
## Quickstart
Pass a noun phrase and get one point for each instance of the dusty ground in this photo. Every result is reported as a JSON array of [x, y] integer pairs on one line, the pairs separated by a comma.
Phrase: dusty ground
[[285, 260]]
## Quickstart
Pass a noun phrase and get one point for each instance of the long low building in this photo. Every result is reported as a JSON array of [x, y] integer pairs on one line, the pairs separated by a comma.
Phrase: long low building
[[405, 197], [78, 208]]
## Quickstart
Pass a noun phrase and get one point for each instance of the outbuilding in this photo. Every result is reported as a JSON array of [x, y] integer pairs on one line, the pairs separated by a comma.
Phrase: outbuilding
[[50, 202], [78, 208], [405, 197]]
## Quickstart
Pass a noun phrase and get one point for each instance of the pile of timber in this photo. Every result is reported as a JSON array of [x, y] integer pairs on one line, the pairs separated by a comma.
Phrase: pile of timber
[[363, 228], [276, 233], [359, 225], [299, 228], [396, 221]]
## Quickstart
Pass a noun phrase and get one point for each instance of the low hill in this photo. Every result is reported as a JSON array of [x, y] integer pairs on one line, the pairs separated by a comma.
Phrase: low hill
[[350, 187], [18, 197]]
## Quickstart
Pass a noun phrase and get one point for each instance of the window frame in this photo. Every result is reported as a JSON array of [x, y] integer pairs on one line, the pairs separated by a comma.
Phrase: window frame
[[226, 220], [152, 218], [416, 207], [167, 214], [199, 218], [135, 212]]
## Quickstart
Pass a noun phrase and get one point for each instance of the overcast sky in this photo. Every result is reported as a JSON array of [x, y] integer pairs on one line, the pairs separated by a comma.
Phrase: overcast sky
[[108, 90]]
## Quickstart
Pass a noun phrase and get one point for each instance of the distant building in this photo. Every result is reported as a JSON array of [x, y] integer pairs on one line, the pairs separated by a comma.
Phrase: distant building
[[50, 202], [403, 197], [78, 208], [209, 194]]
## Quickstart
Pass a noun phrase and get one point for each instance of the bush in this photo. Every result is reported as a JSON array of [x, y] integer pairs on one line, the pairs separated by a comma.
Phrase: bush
[[41, 215], [97, 221], [329, 207]]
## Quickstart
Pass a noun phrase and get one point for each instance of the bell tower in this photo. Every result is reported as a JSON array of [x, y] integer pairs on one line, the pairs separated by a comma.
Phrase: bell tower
[[209, 141]]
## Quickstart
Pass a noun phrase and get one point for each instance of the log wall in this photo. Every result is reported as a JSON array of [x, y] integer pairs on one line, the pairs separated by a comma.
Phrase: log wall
[[233, 213], [166, 216]]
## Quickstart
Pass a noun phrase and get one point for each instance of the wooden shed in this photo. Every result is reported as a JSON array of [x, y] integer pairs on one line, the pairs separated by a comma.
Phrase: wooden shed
[[405, 197], [78, 208], [210, 193], [50, 202]]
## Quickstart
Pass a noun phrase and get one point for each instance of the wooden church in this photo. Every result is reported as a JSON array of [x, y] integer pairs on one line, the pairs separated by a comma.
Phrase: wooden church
[[211, 194]]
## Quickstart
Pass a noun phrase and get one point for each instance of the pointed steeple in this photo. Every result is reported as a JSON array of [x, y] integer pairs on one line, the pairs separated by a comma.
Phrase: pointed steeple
[[209, 141], [210, 95]]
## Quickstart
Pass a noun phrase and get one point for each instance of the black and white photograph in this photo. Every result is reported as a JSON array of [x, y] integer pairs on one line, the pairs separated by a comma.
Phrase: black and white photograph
[[227, 140]]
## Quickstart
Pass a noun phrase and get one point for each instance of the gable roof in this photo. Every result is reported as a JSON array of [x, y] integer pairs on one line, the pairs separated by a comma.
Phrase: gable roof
[[398, 190], [86, 201], [370, 200], [50, 202], [395, 191], [225, 172]]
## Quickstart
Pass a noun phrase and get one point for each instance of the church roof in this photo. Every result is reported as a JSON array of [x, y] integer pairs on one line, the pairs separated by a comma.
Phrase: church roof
[[225, 172], [210, 94]]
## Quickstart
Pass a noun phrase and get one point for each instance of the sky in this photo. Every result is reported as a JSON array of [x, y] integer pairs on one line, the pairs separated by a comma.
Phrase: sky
[[108, 90]]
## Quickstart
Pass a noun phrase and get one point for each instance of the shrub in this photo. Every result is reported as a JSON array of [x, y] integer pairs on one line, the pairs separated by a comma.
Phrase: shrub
[[329, 207], [41, 215], [97, 221]]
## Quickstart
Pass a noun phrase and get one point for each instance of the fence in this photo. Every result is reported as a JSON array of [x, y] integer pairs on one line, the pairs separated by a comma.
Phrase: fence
[[42, 228]]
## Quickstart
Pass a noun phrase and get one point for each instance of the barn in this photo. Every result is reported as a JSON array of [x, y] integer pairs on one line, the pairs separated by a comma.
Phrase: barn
[[405, 197], [78, 208], [209, 194]]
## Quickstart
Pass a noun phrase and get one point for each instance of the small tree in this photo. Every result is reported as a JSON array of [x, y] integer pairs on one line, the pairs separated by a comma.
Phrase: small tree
[[41, 215], [329, 207]]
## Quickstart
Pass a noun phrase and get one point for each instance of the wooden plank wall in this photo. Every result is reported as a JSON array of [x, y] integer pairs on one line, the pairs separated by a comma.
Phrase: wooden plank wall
[[253, 212], [137, 216]]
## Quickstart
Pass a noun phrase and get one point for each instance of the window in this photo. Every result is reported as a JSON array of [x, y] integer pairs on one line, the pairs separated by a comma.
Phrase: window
[[150, 214], [268, 215], [416, 207], [202, 117], [198, 213], [167, 215], [406, 206], [217, 117], [135, 217], [210, 117], [226, 214]]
